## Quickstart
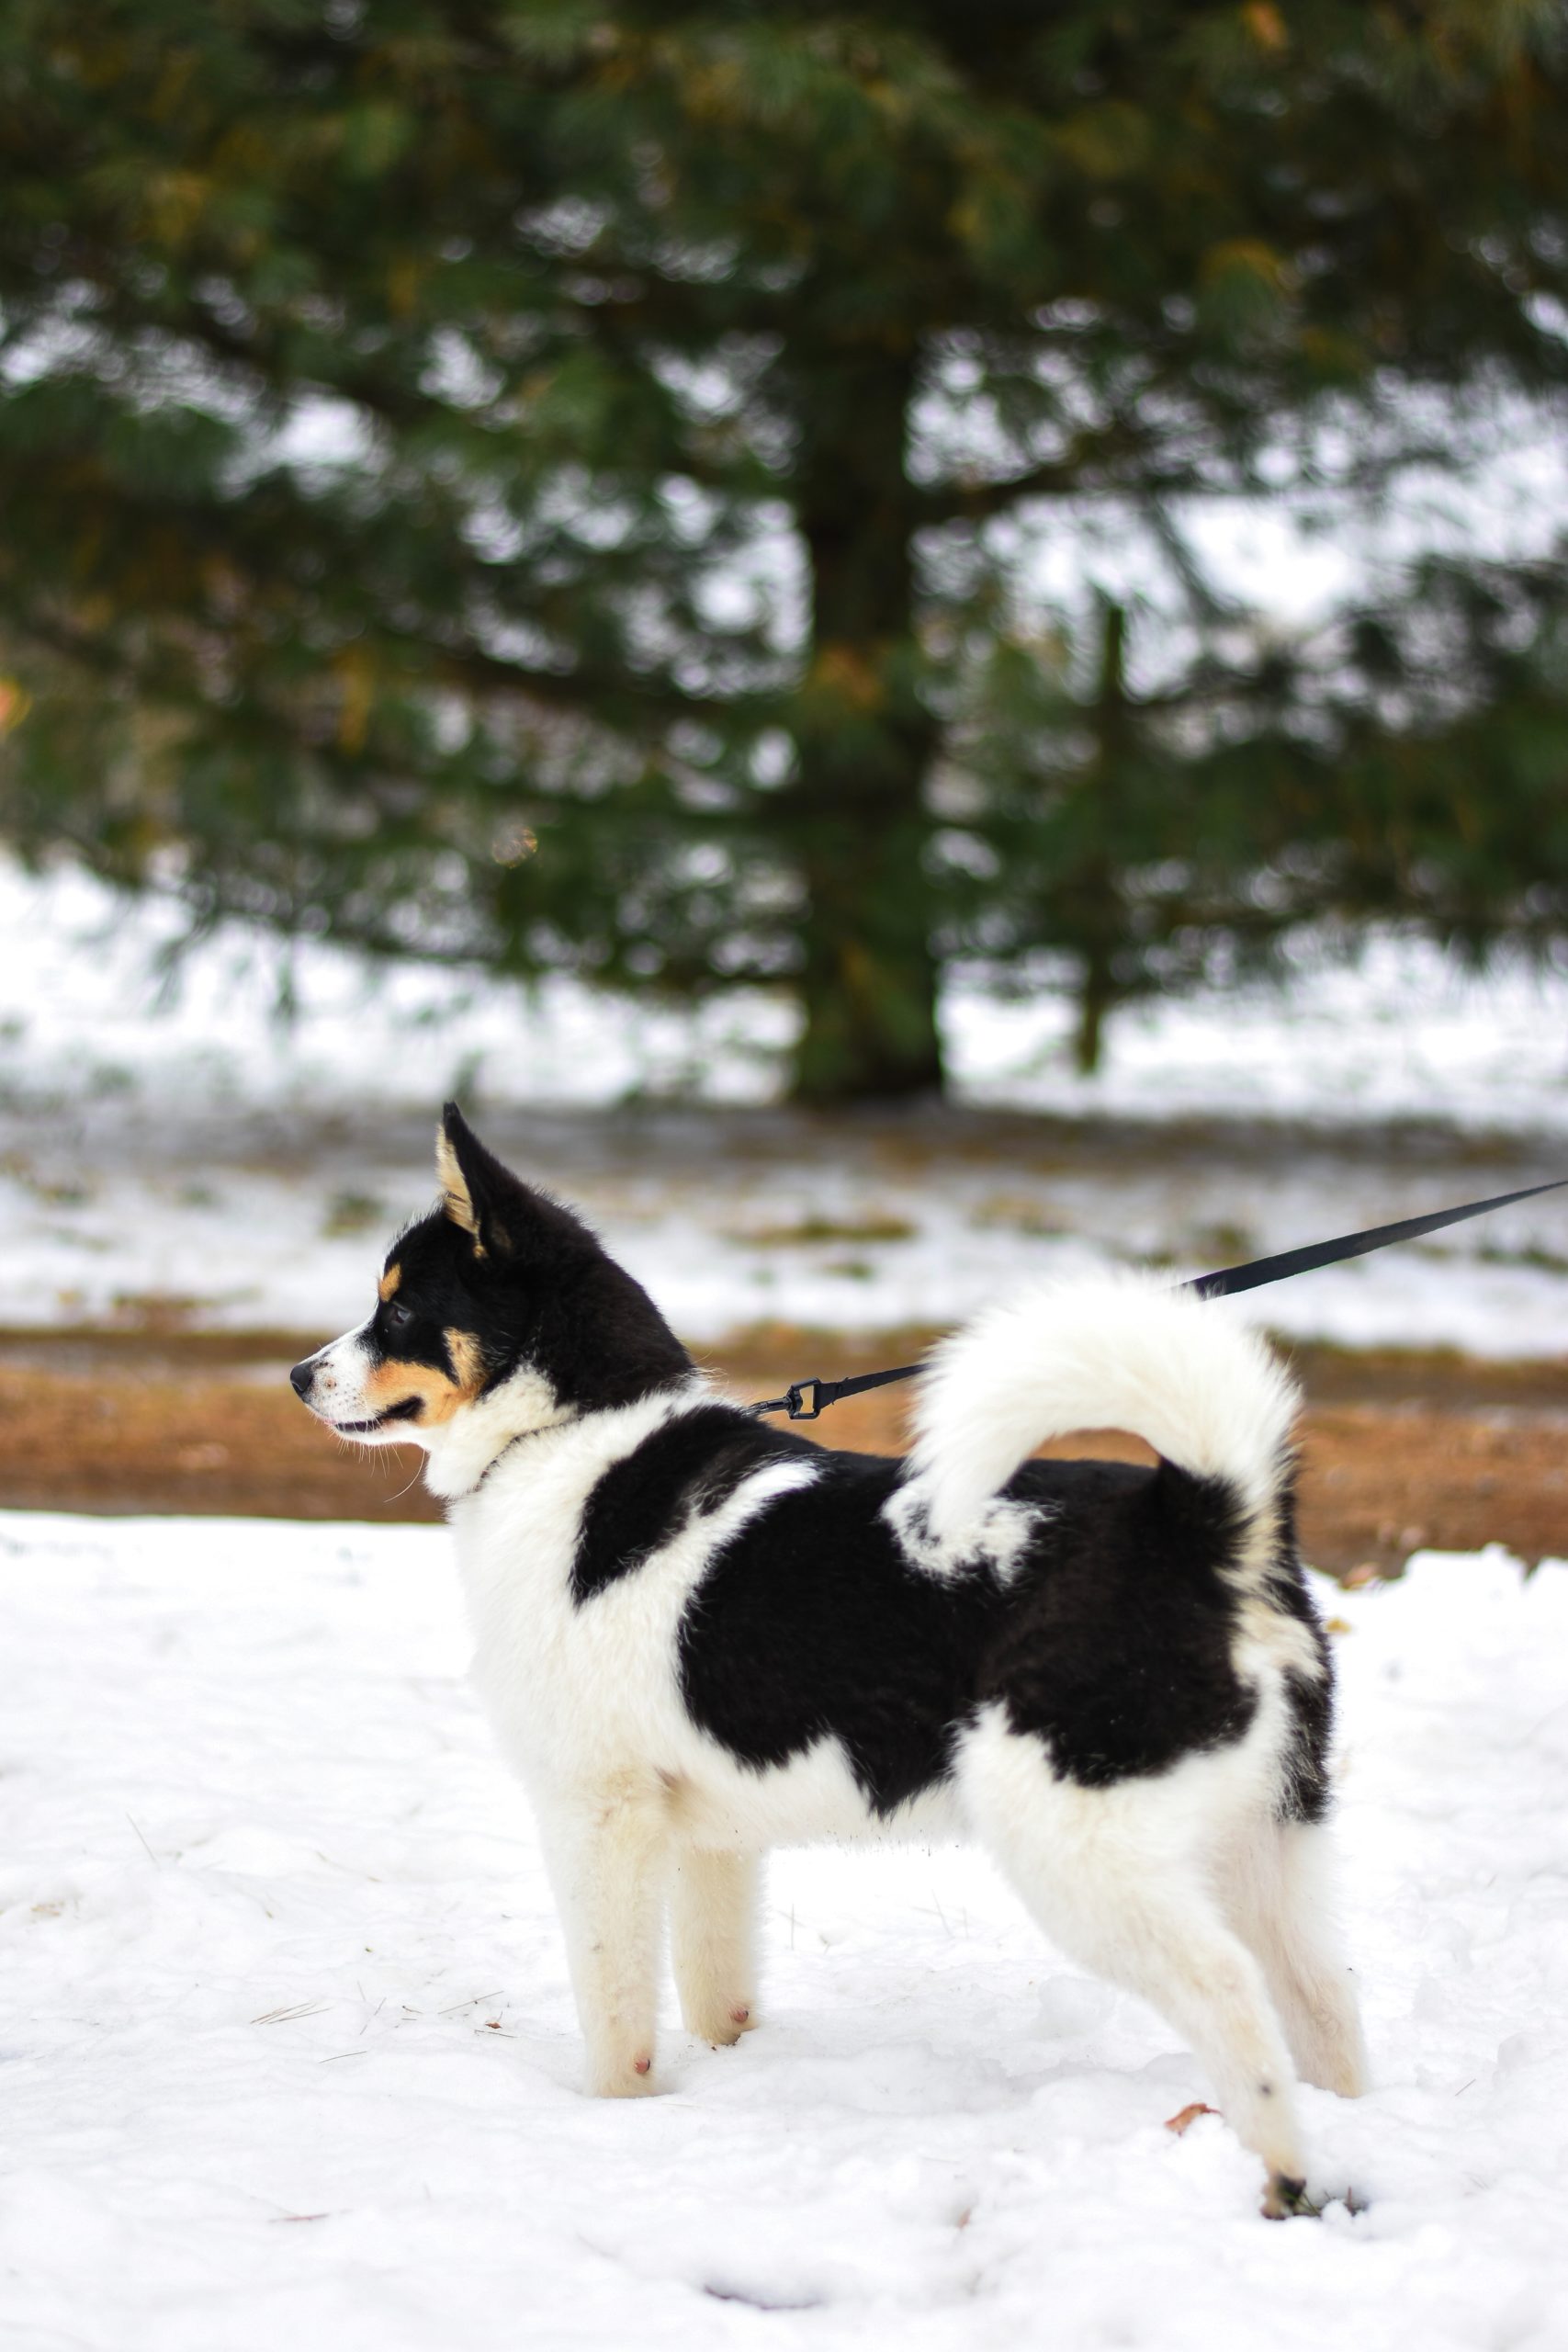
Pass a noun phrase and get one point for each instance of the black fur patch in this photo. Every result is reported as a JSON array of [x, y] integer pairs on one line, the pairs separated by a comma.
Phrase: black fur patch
[[1305, 1795], [810, 1625], [687, 1468], [1110, 1639], [1118, 1653]]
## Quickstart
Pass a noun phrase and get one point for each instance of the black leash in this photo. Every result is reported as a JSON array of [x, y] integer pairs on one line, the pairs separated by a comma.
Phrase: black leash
[[1225, 1284]]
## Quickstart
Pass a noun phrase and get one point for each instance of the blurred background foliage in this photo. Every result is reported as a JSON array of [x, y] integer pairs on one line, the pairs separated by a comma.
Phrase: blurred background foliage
[[563, 485]]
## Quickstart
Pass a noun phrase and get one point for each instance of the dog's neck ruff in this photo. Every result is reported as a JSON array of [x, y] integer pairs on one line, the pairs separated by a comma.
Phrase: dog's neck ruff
[[521, 1438], [461, 1453], [474, 1448]]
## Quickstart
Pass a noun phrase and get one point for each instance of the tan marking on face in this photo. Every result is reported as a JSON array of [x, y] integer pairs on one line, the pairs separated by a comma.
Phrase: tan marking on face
[[439, 1395], [455, 1198], [467, 1362], [394, 1384], [387, 1285]]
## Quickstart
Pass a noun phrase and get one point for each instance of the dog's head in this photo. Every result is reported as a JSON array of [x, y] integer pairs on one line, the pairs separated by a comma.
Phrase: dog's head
[[500, 1311]]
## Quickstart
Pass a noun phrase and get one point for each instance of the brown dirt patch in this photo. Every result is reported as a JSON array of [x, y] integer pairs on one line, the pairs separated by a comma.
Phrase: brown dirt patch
[[1399, 1451]]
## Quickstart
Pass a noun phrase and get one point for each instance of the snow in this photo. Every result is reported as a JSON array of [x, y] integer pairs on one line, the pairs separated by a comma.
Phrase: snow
[[203, 1165], [91, 1007], [290, 2056]]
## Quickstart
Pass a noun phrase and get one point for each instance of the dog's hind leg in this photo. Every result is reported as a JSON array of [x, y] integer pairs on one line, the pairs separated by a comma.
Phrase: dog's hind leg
[[713, 1906], [608, 1851], [1115, 1876], [1278, 1892]]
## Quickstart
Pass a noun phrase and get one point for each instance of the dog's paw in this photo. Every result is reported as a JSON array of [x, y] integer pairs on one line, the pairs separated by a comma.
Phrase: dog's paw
[[722, 2027], [1285, 2200], [629, 2077]]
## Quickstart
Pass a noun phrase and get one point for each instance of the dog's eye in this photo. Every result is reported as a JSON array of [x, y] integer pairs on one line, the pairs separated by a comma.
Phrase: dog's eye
[[398, 1317]]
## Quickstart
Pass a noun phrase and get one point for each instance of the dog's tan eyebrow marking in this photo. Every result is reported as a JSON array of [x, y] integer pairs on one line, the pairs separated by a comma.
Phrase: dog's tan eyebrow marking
[[389, 1282]]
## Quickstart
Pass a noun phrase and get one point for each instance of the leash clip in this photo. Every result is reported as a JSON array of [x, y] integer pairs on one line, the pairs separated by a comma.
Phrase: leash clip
[[794, 1394]]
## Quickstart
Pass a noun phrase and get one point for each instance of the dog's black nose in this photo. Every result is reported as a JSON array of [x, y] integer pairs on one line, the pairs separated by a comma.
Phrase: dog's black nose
[[302, 1375]]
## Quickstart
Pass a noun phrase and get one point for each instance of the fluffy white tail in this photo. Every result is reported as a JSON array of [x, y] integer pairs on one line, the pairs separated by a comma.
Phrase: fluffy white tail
[[1124, 1353]]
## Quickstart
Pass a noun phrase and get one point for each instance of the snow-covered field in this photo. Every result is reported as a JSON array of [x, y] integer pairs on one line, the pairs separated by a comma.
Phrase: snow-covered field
[[88, 1014], [288, 2055], [203, 1163]]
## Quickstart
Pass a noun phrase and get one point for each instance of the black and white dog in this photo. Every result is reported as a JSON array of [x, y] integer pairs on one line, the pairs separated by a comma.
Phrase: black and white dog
[[700, 1636]]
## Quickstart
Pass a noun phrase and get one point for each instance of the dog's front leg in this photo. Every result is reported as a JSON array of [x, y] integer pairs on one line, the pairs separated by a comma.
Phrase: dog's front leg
[[608, 1851], [713, 1904]]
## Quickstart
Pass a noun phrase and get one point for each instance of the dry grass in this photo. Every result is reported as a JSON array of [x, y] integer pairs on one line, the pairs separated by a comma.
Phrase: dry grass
[[1399, 1450]]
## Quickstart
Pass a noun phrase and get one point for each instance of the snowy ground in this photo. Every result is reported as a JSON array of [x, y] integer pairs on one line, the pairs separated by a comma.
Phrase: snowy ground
[[289, 2059], [85, 1013], [206, 1165]]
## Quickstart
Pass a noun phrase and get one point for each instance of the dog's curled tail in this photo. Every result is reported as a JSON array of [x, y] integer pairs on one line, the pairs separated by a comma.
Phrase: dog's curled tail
[[1124, 1353]]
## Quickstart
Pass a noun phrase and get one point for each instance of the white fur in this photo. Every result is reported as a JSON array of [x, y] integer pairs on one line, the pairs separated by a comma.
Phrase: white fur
[[1127, 1353], [1116, 1877], [518, 1409], [997, 1539], [338, 1394]]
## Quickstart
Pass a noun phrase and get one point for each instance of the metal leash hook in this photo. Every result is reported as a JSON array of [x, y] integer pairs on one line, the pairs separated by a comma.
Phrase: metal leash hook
[[828, 1392], [823, 1394], [1255, 1276]]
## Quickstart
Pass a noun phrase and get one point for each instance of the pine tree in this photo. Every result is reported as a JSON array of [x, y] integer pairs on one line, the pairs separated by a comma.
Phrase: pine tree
[[540, 481]]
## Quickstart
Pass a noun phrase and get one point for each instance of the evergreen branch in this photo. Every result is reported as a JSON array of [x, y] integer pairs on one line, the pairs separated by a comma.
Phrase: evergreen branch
[[1091, 463], [577, 690]]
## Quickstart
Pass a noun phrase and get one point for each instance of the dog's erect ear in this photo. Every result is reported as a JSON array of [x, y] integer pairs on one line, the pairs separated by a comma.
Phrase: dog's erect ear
[[475, 1188]]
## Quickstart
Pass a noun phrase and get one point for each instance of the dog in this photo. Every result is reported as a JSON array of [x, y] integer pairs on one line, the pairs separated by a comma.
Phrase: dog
[[700, 1636]]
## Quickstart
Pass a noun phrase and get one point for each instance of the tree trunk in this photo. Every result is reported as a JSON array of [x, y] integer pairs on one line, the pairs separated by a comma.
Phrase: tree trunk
[[1101, 914], [855, 813]]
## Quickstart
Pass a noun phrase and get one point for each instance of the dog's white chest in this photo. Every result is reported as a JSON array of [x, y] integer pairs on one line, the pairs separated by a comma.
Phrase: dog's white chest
[[582, 1685]]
